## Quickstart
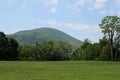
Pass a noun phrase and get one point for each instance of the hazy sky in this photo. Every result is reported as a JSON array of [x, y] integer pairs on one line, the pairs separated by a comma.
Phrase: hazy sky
[[78, 18]]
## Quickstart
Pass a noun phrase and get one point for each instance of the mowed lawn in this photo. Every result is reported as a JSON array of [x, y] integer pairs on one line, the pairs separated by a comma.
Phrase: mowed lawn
[[59, 70]]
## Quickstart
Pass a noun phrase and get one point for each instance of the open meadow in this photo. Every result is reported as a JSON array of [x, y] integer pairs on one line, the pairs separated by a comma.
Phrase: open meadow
[[59, 70]]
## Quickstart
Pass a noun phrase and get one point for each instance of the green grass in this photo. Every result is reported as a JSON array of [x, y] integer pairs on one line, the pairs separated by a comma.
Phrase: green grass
[[68, 70]]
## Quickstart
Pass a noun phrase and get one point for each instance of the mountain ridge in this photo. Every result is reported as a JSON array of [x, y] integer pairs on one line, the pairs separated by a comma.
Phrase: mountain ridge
[[40, 34]]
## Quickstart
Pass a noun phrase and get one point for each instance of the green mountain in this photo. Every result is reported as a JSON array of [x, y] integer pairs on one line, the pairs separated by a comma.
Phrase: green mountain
[[41, 34]]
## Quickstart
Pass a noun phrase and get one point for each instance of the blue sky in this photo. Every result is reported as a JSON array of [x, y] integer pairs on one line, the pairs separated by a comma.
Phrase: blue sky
[[78, 18]]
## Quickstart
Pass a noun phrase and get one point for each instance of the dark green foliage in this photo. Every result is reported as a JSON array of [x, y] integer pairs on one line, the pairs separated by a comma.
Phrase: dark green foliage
[[78, 54], [55, 50], [41, 34], [105, 49], [29, 53], [81, 53], [105, 53], [3, 45], [3, 40], [110, 26], [92, 52], [12, 53], [47, 50], [95, 51], [8, 48], [108, 48]]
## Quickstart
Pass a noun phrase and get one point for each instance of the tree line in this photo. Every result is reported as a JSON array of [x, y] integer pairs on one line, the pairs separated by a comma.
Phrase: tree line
[[108, 48], [45, 51]]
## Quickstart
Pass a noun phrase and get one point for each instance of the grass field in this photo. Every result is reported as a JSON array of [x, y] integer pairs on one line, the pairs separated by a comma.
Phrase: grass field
[[68, 70]]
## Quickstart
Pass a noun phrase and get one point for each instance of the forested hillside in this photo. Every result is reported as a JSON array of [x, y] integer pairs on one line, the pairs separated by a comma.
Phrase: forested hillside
[[41, 34]]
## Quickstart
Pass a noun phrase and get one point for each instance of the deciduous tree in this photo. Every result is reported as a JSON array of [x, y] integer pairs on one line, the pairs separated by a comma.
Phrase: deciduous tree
[[110, 26]]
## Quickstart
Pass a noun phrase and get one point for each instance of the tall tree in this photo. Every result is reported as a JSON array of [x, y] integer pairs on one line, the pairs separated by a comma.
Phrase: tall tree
[[110, 26], [8, 48], [104, 48], [12, 49], [3, 44], [117, 42]]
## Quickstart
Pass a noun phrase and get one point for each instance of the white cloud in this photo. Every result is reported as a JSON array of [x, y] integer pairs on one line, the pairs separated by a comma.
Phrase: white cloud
[[54, 2], [53, 10], [118, 13], [83, 27], [11, 1], [49, 2], [110, 12], [40, 20], [24, 4], [90, 4], [95, 29], [49, 22], [118, 2], [74, 26], [77, 5], [90, 9], [90, 1], [52, 22], [99, 3], [45, 2], [103, 12], [77, 26]]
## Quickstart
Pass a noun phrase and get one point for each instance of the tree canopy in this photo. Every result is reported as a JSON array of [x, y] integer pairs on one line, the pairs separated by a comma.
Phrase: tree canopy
[[8, 48], [110, 26]]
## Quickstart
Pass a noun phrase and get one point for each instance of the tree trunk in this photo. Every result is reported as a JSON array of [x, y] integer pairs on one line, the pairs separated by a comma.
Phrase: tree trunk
[[111, 47], [117, 49], [116, 54], [112, 58]]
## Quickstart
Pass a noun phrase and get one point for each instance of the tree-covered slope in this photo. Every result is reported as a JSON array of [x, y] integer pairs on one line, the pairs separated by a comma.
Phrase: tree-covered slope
[[40, 34]]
